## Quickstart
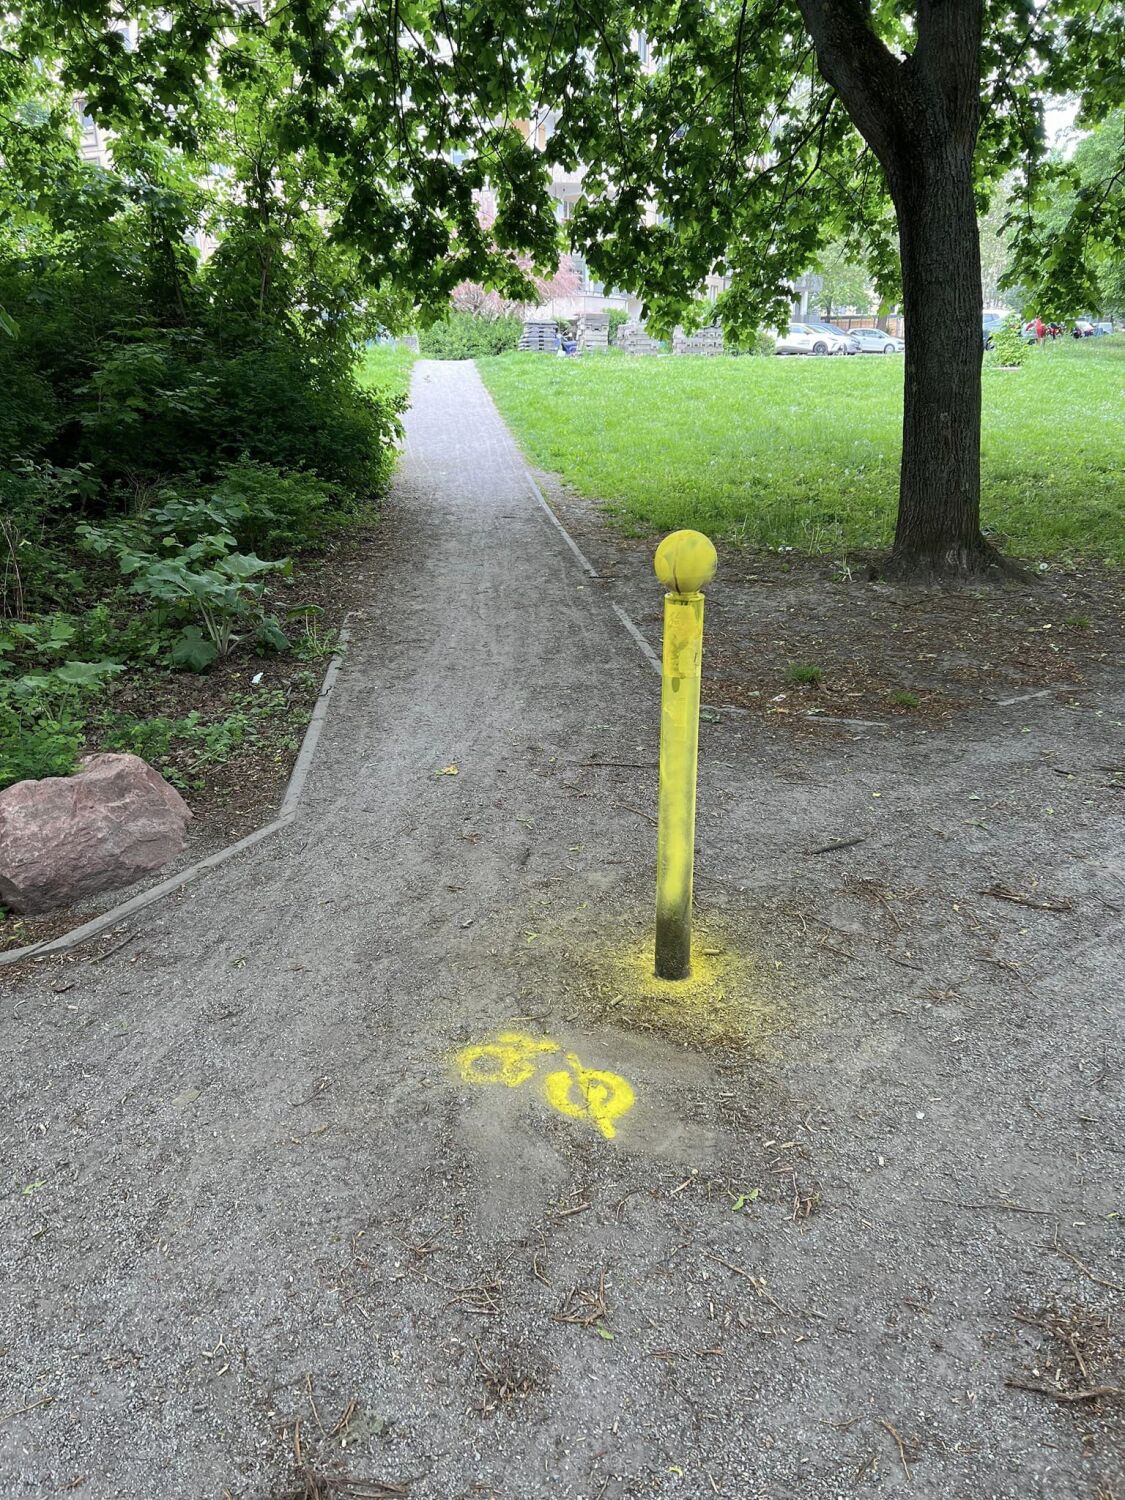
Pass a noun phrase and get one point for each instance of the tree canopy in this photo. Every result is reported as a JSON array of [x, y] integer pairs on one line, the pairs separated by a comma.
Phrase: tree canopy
[[362, 139], [735, 154]]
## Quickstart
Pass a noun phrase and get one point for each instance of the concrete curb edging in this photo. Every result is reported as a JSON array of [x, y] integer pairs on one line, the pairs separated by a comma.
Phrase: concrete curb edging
[[588, 568], [286, 813], [583, 560], [627, 620]]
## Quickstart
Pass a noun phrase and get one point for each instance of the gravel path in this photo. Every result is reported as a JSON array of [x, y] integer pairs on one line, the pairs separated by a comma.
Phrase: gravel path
[[376, 1159]]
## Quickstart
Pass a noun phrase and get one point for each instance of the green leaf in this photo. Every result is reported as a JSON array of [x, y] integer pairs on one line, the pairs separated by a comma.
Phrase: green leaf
[[192, 650], [86, 673], [270, 634]]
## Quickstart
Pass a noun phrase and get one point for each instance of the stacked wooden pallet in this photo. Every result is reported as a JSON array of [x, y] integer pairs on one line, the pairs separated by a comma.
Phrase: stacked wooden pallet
[[634, 340], [539, 337], [593, 332], [700, 341]]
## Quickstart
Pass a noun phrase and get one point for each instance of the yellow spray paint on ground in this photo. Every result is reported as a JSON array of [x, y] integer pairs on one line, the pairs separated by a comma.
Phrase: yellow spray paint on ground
[[736, 998], [513, 1058]]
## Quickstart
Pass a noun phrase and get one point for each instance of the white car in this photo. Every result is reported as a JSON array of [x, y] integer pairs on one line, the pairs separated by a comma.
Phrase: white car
[[876, 341], [804, 338]]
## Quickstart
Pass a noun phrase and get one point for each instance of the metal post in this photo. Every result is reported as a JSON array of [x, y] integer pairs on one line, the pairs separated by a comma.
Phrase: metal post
[[684, 562]]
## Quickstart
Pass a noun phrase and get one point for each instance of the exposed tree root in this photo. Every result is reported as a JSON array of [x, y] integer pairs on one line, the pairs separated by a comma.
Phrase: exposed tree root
[[977, 561]]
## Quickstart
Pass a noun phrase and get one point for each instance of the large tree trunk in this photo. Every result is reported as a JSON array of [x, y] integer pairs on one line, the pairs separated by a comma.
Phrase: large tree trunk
[[920, 114], [938, 527]]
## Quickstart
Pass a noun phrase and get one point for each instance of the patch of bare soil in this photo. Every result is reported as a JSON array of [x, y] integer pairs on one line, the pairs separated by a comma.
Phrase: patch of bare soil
[[234, 788], [873, 650]]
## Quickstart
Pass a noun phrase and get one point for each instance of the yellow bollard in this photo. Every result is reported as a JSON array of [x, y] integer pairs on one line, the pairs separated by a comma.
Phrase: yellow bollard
[[684, 562]]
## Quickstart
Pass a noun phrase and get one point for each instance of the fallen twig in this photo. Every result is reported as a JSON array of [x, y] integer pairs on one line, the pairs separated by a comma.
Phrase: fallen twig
[[631, 765], [1007, 1206], [1094, 1393], [1113, 1286], [838, 844], [99, 958], [19, 1410], [1045, 903], [628, 806], [901, 1446]]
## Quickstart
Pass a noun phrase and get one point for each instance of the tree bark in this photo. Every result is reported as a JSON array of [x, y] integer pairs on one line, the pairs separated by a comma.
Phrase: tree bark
[[938, 529], [920, 114]]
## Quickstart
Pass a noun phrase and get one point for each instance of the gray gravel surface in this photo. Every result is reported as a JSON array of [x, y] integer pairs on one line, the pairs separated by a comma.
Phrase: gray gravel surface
[[261, 1235]]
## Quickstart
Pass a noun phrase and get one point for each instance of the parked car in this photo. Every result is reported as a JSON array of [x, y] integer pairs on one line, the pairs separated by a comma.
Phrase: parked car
[[877, 341], [842, 333], [990, 323], [807, 338], [1083, 328], [1101, 329]]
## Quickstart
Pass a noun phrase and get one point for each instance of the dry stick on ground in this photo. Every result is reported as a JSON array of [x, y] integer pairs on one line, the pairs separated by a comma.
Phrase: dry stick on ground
[[341, 1427], [1057, 1329], [1113, 1286], [19, 1410], [757, 1282], [312, 1403], [101, 957], [838, 844], [630, 765], [628, 807], [901, 1445], [1003, 1207], [1004, 893], [571, 1309], [1093, 1394]]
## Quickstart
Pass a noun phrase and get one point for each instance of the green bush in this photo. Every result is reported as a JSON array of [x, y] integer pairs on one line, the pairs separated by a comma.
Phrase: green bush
[[211, 591], [42, 718], [757, 344], [465, 335], [1008, 348], [95, 387], [282, 404], [618, 317], [273, 512]]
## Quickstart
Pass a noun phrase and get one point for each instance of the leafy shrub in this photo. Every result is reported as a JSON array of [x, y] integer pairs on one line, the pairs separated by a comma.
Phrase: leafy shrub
[[757, 344], [34, 748], [35, 498], [275, 512], [41, 718], [99, 384], [1008, 348], [284, 404], [204, 585], [466, 335]]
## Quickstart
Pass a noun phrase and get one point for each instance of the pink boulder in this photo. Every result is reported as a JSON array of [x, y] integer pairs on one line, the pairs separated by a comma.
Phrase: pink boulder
[[64, 837]]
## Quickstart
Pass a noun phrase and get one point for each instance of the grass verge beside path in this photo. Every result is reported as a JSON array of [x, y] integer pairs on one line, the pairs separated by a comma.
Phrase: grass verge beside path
[[387, 368], [805, 452]]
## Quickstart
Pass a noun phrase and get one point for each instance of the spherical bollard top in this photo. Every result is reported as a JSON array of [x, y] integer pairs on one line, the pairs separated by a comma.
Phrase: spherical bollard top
[[685, 561]]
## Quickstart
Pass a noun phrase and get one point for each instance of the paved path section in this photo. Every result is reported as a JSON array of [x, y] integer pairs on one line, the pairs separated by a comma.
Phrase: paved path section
[[377, 1154]]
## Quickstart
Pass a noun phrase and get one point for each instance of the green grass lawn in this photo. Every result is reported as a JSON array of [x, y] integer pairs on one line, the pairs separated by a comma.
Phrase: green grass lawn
[[385, 368], [805, 452]]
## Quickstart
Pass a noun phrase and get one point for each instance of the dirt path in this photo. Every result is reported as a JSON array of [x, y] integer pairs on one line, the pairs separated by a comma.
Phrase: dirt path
[[377, 1154]]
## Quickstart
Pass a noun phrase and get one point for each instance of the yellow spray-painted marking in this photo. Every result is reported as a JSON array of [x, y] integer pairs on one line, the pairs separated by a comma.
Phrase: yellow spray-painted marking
[[509, 1060], [575, 1091], [602, 1097]]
